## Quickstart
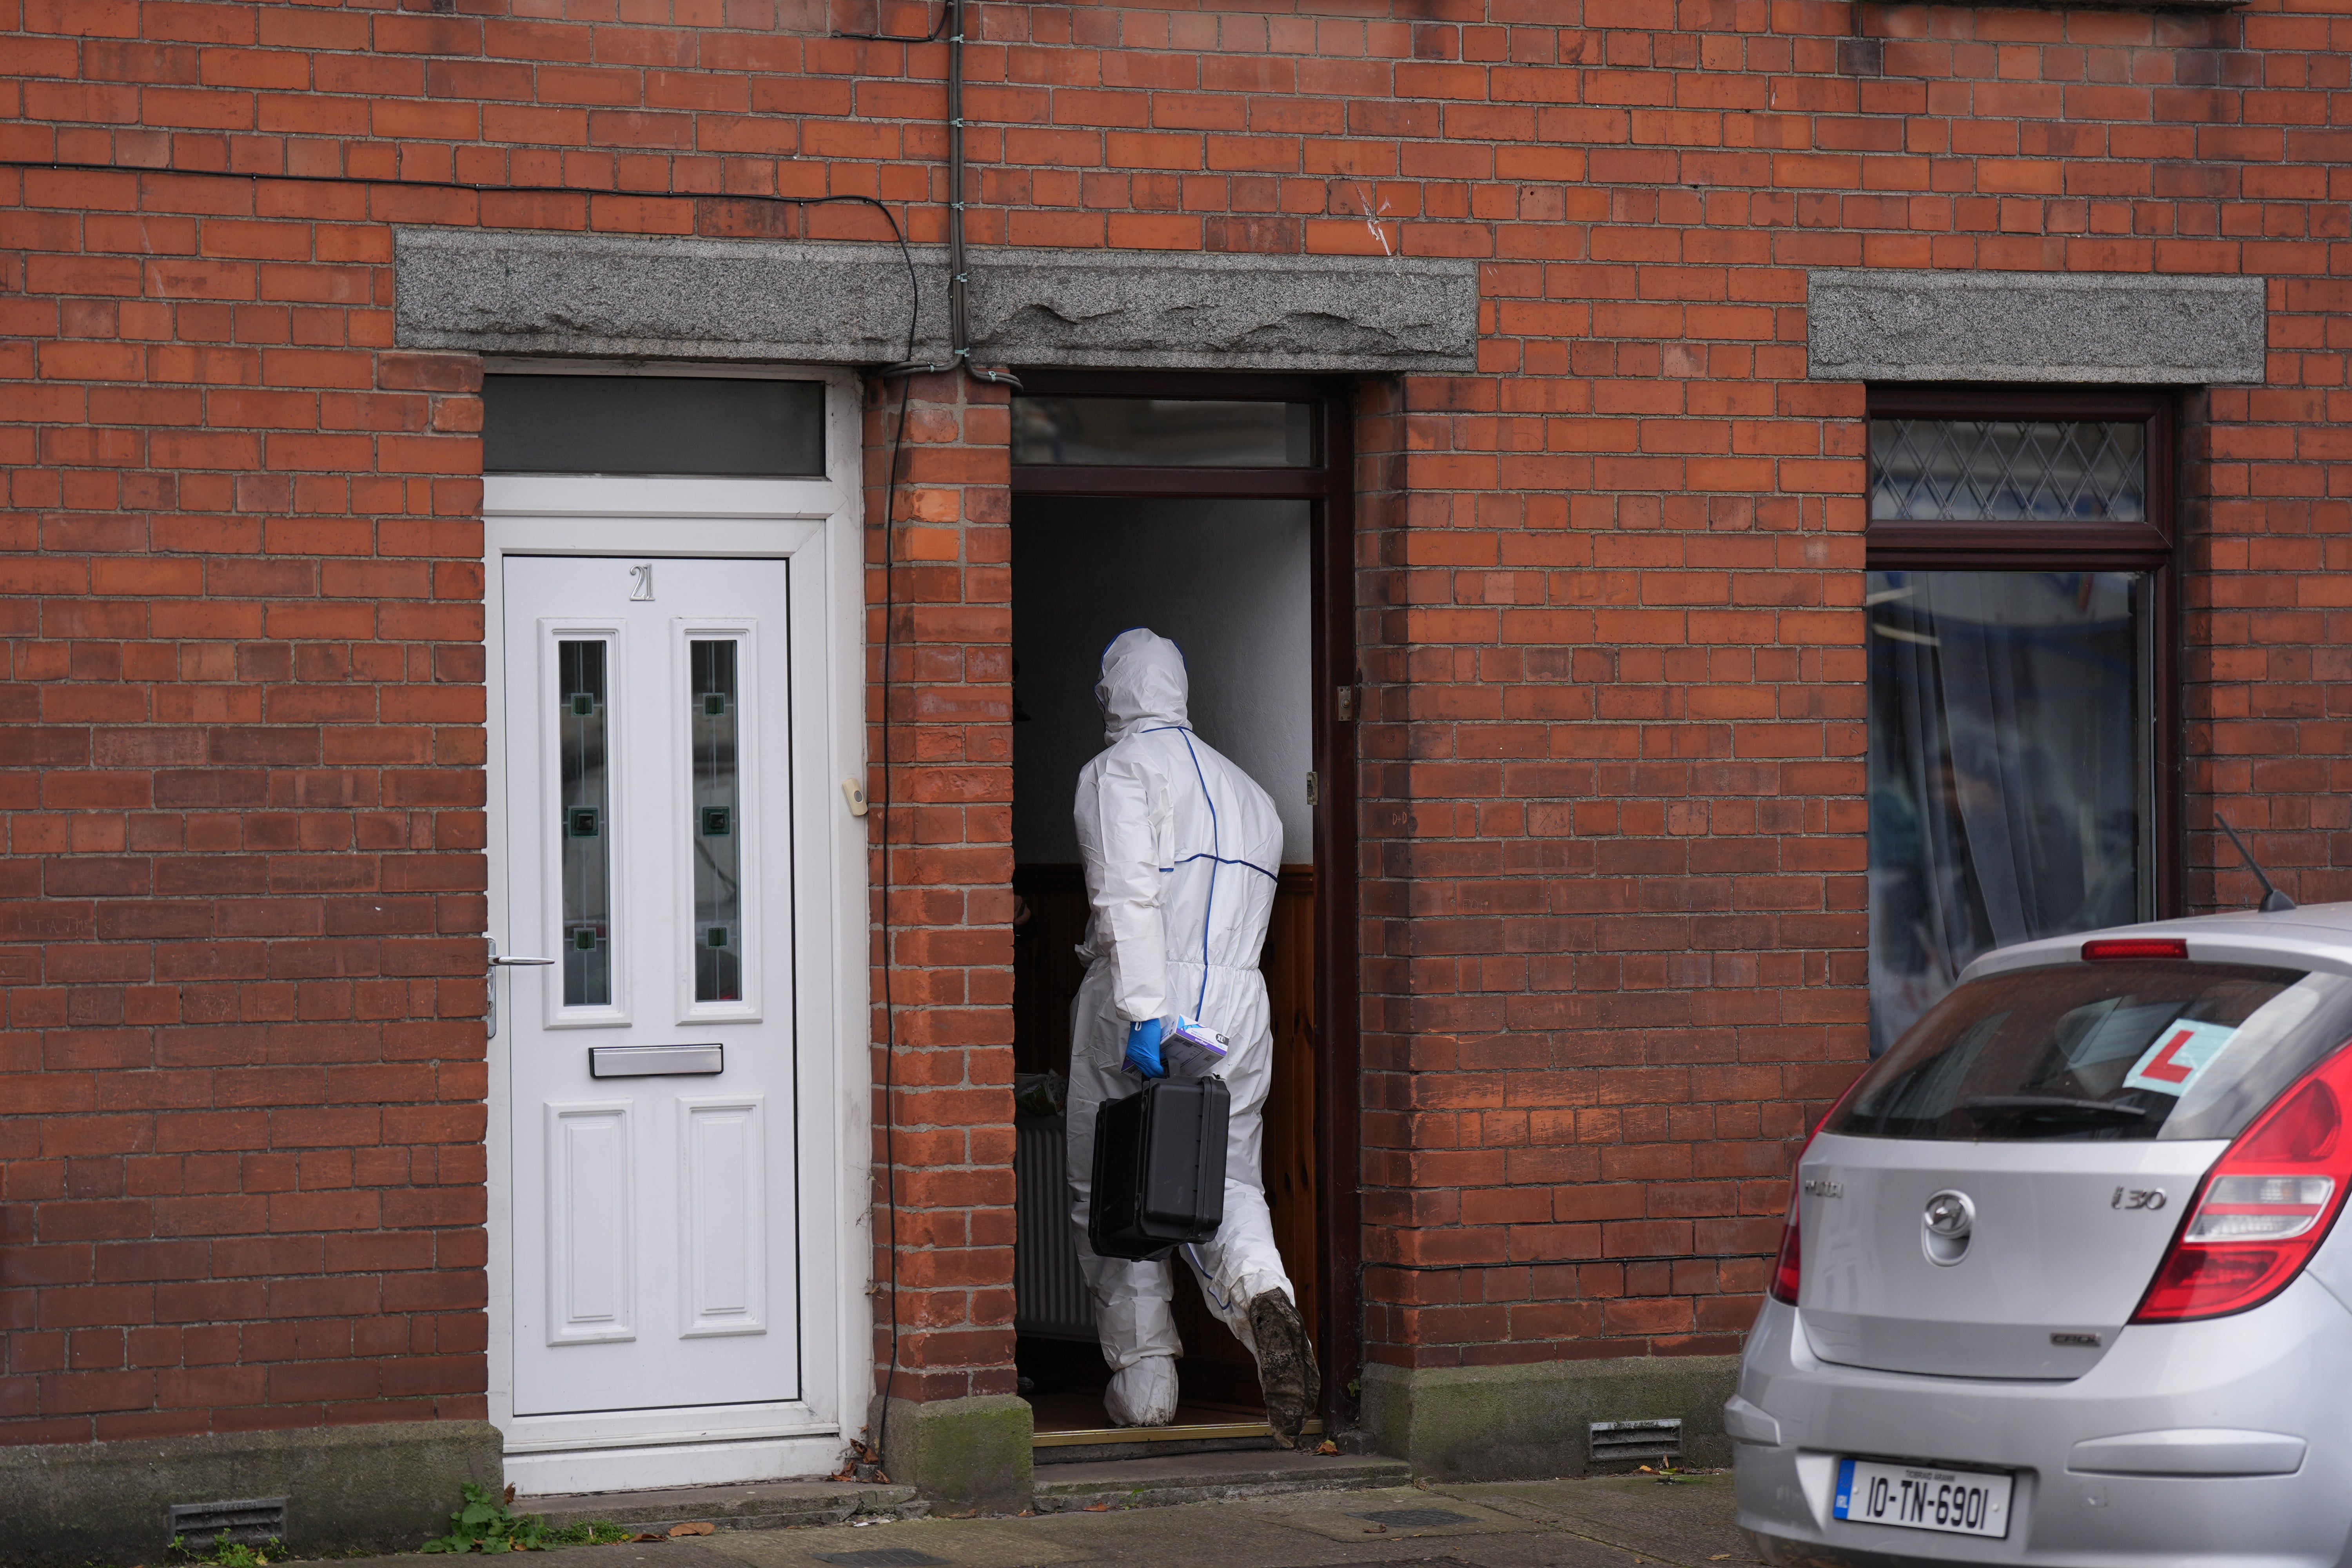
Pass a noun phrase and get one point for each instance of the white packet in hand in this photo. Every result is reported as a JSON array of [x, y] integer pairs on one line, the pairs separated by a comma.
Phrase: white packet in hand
[[1197, 1033], [1192, 1049]]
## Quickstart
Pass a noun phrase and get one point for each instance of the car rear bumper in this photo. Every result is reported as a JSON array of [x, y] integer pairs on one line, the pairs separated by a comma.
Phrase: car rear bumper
[[2233, 1447]]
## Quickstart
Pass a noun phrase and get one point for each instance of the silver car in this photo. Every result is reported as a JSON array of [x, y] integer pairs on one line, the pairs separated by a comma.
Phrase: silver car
[[2061, 1283]]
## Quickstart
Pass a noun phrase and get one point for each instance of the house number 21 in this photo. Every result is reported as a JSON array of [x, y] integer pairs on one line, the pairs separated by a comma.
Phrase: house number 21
[[641, 591]]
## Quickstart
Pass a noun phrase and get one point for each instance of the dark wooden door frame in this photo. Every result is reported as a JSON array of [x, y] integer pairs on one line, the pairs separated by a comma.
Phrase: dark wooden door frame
[[1328, 488]]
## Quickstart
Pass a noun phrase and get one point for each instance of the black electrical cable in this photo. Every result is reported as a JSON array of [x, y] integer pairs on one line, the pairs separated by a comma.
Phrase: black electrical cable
[[958, 273], [952, 13], [959, 269], [889, 627], [889, 1009]]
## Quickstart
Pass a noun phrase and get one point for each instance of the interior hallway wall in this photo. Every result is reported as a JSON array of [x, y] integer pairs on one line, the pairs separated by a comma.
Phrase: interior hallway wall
[[1227, 580]]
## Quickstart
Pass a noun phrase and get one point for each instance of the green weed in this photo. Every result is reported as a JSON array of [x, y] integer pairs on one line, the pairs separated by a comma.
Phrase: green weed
[[598, 1533], [486, 1523], [226, 1553]]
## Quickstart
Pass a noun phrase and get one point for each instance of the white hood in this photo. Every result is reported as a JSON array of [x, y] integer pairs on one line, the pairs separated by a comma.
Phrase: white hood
[[1143, 684]]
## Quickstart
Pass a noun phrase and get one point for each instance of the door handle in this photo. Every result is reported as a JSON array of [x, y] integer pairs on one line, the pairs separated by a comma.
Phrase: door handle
[[496, 964]]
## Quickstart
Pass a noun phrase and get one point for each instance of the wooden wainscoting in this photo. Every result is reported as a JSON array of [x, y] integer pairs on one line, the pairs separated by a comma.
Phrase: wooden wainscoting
[[1047, 972], [1290, 1163]]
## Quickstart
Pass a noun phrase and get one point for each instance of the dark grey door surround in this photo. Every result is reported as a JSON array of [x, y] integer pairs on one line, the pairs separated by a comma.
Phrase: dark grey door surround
[[2081, 327], [513, 292]]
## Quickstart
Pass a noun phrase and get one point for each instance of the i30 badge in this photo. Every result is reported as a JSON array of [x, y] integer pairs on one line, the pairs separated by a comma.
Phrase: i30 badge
[[1950, 1219]]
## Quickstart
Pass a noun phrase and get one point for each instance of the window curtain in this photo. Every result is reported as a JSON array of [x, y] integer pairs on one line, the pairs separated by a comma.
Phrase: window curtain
[[2007, 741]]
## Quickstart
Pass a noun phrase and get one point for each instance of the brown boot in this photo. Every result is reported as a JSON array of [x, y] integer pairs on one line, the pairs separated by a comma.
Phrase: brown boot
[[1286, 1365]]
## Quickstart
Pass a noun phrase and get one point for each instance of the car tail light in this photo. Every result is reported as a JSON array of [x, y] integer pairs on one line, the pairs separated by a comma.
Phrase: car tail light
[[2110, 947], [1790, 1268], [1790, 1271], [2264, 1208]]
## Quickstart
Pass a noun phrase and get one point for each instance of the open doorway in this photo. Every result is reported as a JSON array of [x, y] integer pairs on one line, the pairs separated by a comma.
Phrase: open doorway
[[1210, 512]]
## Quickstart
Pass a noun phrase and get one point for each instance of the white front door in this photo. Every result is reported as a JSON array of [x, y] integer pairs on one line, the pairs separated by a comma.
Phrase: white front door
[[648, 761]]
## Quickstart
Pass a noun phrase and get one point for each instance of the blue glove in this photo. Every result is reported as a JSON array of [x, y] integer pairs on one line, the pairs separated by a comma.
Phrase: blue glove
[[1143, 1048]]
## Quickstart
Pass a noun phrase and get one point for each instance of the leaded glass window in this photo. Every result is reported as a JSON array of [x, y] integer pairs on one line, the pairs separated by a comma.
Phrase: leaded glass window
[[1975, 470], [585, 798], [714, 718]]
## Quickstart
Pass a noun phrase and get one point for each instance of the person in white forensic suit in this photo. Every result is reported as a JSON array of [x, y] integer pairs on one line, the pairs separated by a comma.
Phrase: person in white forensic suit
[[1181, 850]]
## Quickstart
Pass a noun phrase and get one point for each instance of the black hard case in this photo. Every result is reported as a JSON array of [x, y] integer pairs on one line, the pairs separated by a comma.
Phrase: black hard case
[[1159, 1168]]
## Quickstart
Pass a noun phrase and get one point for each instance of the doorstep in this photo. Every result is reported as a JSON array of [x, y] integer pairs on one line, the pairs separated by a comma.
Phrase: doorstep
[[758, 1505], [1084, 1445], [1161, 1480]]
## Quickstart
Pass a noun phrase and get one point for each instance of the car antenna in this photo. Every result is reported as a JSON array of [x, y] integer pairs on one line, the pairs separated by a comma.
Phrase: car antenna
[[2273, 901]]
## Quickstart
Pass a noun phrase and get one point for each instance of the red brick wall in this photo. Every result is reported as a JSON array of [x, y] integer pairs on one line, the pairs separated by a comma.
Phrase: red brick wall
[[1614, 785], [943, 864], [241, 797], [1612, 935], [1615, 859]]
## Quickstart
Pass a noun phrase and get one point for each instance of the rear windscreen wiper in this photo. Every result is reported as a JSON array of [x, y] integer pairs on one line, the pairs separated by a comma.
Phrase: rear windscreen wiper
[[2055, 1111]]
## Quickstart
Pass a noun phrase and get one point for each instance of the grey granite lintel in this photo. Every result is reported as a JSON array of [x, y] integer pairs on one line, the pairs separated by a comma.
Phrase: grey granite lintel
[[1868, 324], [529, 292]]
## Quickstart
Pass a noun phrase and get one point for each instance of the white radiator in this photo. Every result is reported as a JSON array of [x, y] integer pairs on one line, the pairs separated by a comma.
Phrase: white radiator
[[1049, 1295]]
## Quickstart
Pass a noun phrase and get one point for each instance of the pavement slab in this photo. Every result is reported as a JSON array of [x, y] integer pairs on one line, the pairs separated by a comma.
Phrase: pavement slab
[[689, 1553], [959, 1542], [1399, 1513], [1687, 1519], [1608, 1522]]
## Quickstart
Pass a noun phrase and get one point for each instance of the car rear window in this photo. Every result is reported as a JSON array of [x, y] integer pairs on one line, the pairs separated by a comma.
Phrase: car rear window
[[2145, 1048]]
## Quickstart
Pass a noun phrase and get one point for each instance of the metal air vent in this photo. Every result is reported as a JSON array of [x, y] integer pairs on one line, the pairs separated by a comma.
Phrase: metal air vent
[[249, 1521], [1634, 1442]]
